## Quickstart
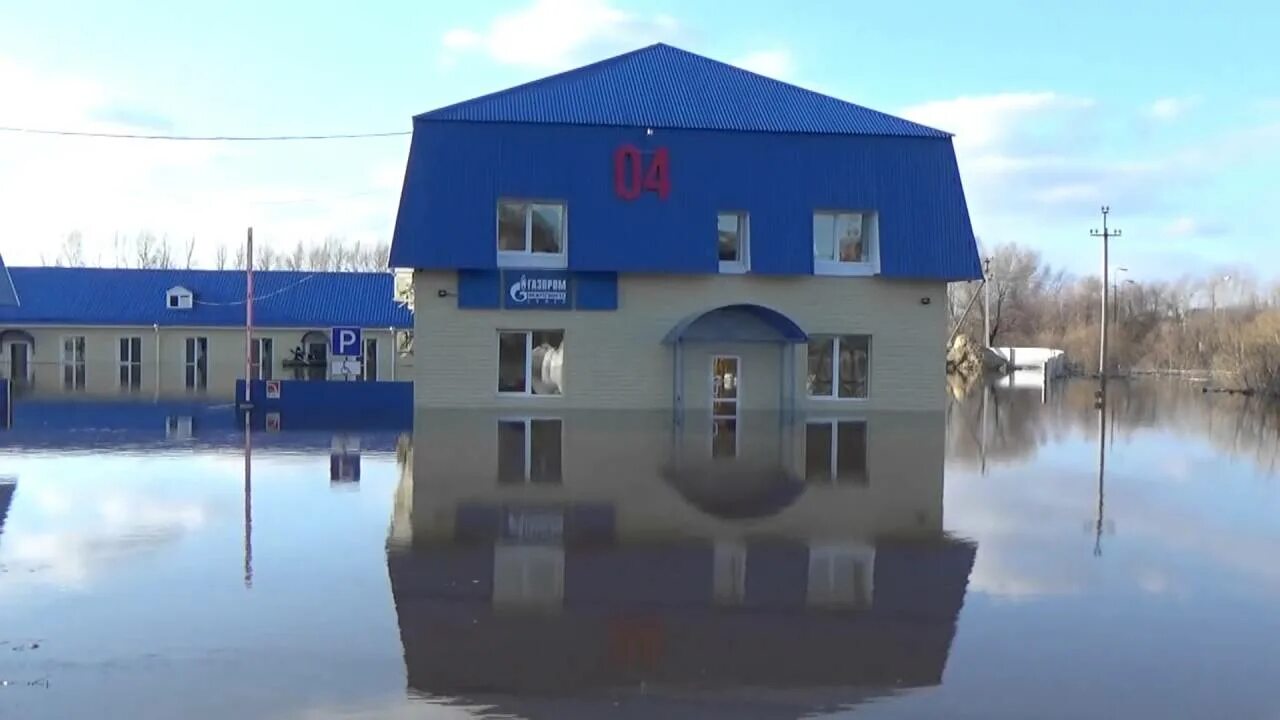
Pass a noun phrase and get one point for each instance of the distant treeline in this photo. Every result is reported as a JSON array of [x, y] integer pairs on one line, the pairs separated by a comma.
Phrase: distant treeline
[[1222, 321], [147, 250]]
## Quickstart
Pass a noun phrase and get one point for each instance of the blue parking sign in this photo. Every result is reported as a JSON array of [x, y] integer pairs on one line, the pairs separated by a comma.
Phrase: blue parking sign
[[345, 342]]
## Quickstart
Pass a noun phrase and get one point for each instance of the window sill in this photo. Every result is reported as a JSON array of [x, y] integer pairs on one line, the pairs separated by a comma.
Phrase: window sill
[[525, 260], [843, 269], [527, 396], [836, 399], [732, 268]]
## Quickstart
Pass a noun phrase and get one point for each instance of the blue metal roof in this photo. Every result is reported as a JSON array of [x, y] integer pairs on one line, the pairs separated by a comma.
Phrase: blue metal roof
[[8, 296], [110, 296], [664, 87]]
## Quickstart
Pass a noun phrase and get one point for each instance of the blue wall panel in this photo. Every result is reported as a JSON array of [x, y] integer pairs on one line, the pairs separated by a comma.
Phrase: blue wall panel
[[597, 291], [6, 405], [457, 172], [479, 289], [310, 404]]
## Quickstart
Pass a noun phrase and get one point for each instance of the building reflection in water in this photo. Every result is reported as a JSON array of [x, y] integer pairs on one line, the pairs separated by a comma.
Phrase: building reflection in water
[[541, 564]]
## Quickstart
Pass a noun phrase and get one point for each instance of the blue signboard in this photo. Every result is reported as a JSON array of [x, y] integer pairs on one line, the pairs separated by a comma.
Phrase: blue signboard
[[537, 289], [345, 342]]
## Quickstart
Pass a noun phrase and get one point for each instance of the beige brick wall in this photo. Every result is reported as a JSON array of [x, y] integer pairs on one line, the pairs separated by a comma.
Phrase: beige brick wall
[[617, 359], [621, 459], [225, 363]]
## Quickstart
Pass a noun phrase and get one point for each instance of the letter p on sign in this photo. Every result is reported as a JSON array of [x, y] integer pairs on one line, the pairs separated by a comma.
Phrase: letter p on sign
[[345, 342]]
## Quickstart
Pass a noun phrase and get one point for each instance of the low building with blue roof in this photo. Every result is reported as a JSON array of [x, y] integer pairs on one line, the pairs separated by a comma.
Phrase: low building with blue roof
[[662, 230], [175, 333]]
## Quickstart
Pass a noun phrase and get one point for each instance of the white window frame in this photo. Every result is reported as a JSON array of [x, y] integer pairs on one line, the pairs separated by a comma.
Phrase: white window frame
[[528, 364], [258, 373], [513, 565], [194, 365], [528, 421], [834, 396], [179, 298], [130, 363], [743, 263], [833, 462], [871, 241], [826, 557], [81, 364], [729, 572], [736, 417], [527, 258]]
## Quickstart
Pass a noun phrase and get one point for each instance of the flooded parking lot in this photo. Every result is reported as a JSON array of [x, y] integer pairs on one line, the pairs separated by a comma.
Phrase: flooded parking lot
[[1021, 556]]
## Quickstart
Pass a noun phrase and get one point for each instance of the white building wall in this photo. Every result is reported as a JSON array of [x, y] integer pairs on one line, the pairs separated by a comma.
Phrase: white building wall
[[616, 359], [226, 361]]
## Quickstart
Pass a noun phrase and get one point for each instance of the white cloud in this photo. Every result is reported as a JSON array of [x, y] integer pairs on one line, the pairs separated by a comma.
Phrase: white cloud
[[1171, 108], [776, 63], [556, 34], [1187, 227], [211, 191], [995, 121]]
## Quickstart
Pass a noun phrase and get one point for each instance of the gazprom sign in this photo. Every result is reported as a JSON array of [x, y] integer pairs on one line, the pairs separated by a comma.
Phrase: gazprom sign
[[537, 289]]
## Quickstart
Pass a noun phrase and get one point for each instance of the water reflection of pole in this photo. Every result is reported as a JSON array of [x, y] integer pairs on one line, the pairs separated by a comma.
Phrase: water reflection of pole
[[1102, 465], [982, 442], [248, 503]]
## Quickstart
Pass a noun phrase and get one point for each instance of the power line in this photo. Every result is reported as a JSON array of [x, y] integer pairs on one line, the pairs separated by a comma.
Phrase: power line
[[200, 138]]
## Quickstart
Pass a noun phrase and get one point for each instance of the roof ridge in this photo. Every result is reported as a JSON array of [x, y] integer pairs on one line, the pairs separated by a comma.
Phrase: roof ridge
[[677, 89], [824, 96], [588, 68]]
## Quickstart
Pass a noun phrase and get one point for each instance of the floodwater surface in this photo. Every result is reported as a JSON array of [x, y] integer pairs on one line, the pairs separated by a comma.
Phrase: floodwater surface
[[1022, 556]]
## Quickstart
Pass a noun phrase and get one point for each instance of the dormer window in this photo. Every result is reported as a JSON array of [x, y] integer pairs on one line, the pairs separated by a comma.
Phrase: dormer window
[[179, 298]]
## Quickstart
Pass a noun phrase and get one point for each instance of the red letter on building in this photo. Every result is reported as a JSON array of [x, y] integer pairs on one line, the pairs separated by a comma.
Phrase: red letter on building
[[626, 172], [657, 178]]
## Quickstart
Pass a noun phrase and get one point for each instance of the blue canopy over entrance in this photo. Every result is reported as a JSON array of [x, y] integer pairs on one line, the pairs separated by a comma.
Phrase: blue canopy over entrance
[[737, 323]]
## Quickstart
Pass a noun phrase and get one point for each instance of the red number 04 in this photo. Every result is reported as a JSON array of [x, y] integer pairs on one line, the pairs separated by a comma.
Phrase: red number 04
[[631, 179]]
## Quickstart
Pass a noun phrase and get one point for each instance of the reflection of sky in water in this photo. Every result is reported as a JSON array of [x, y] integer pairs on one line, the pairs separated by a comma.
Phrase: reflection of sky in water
[[128, 571]]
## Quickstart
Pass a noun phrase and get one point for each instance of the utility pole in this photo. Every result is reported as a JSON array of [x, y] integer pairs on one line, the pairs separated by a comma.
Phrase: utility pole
[[986, 302], [1106, 235]]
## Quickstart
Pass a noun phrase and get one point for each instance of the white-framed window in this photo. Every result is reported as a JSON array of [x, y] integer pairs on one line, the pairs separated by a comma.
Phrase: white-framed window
[[530, 450], [532, 233], [835, 452], [131, 363], [369, 364], [261, 358], [841, 575], [179, 427], [729, 572], [195, 359], [528, 576], [179, 298], [530, 362], [846, 242], [839, 367], [733, 241], [73, 365]]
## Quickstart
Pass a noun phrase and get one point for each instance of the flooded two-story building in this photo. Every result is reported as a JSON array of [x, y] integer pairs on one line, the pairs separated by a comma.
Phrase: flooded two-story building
[[661, 231]]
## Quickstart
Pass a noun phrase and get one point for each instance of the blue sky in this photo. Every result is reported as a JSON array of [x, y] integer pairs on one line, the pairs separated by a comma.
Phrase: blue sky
[[1169, 113]]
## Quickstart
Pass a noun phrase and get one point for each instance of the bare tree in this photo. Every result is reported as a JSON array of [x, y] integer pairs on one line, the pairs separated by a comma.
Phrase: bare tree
[[191, 251], [71, 253], [220, 258]]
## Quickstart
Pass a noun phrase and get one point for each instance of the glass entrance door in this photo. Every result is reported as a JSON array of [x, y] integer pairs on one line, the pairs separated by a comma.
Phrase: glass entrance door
[[726, 383]]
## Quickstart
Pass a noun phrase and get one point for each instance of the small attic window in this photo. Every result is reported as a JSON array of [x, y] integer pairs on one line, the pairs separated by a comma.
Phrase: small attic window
[[178, 298]]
